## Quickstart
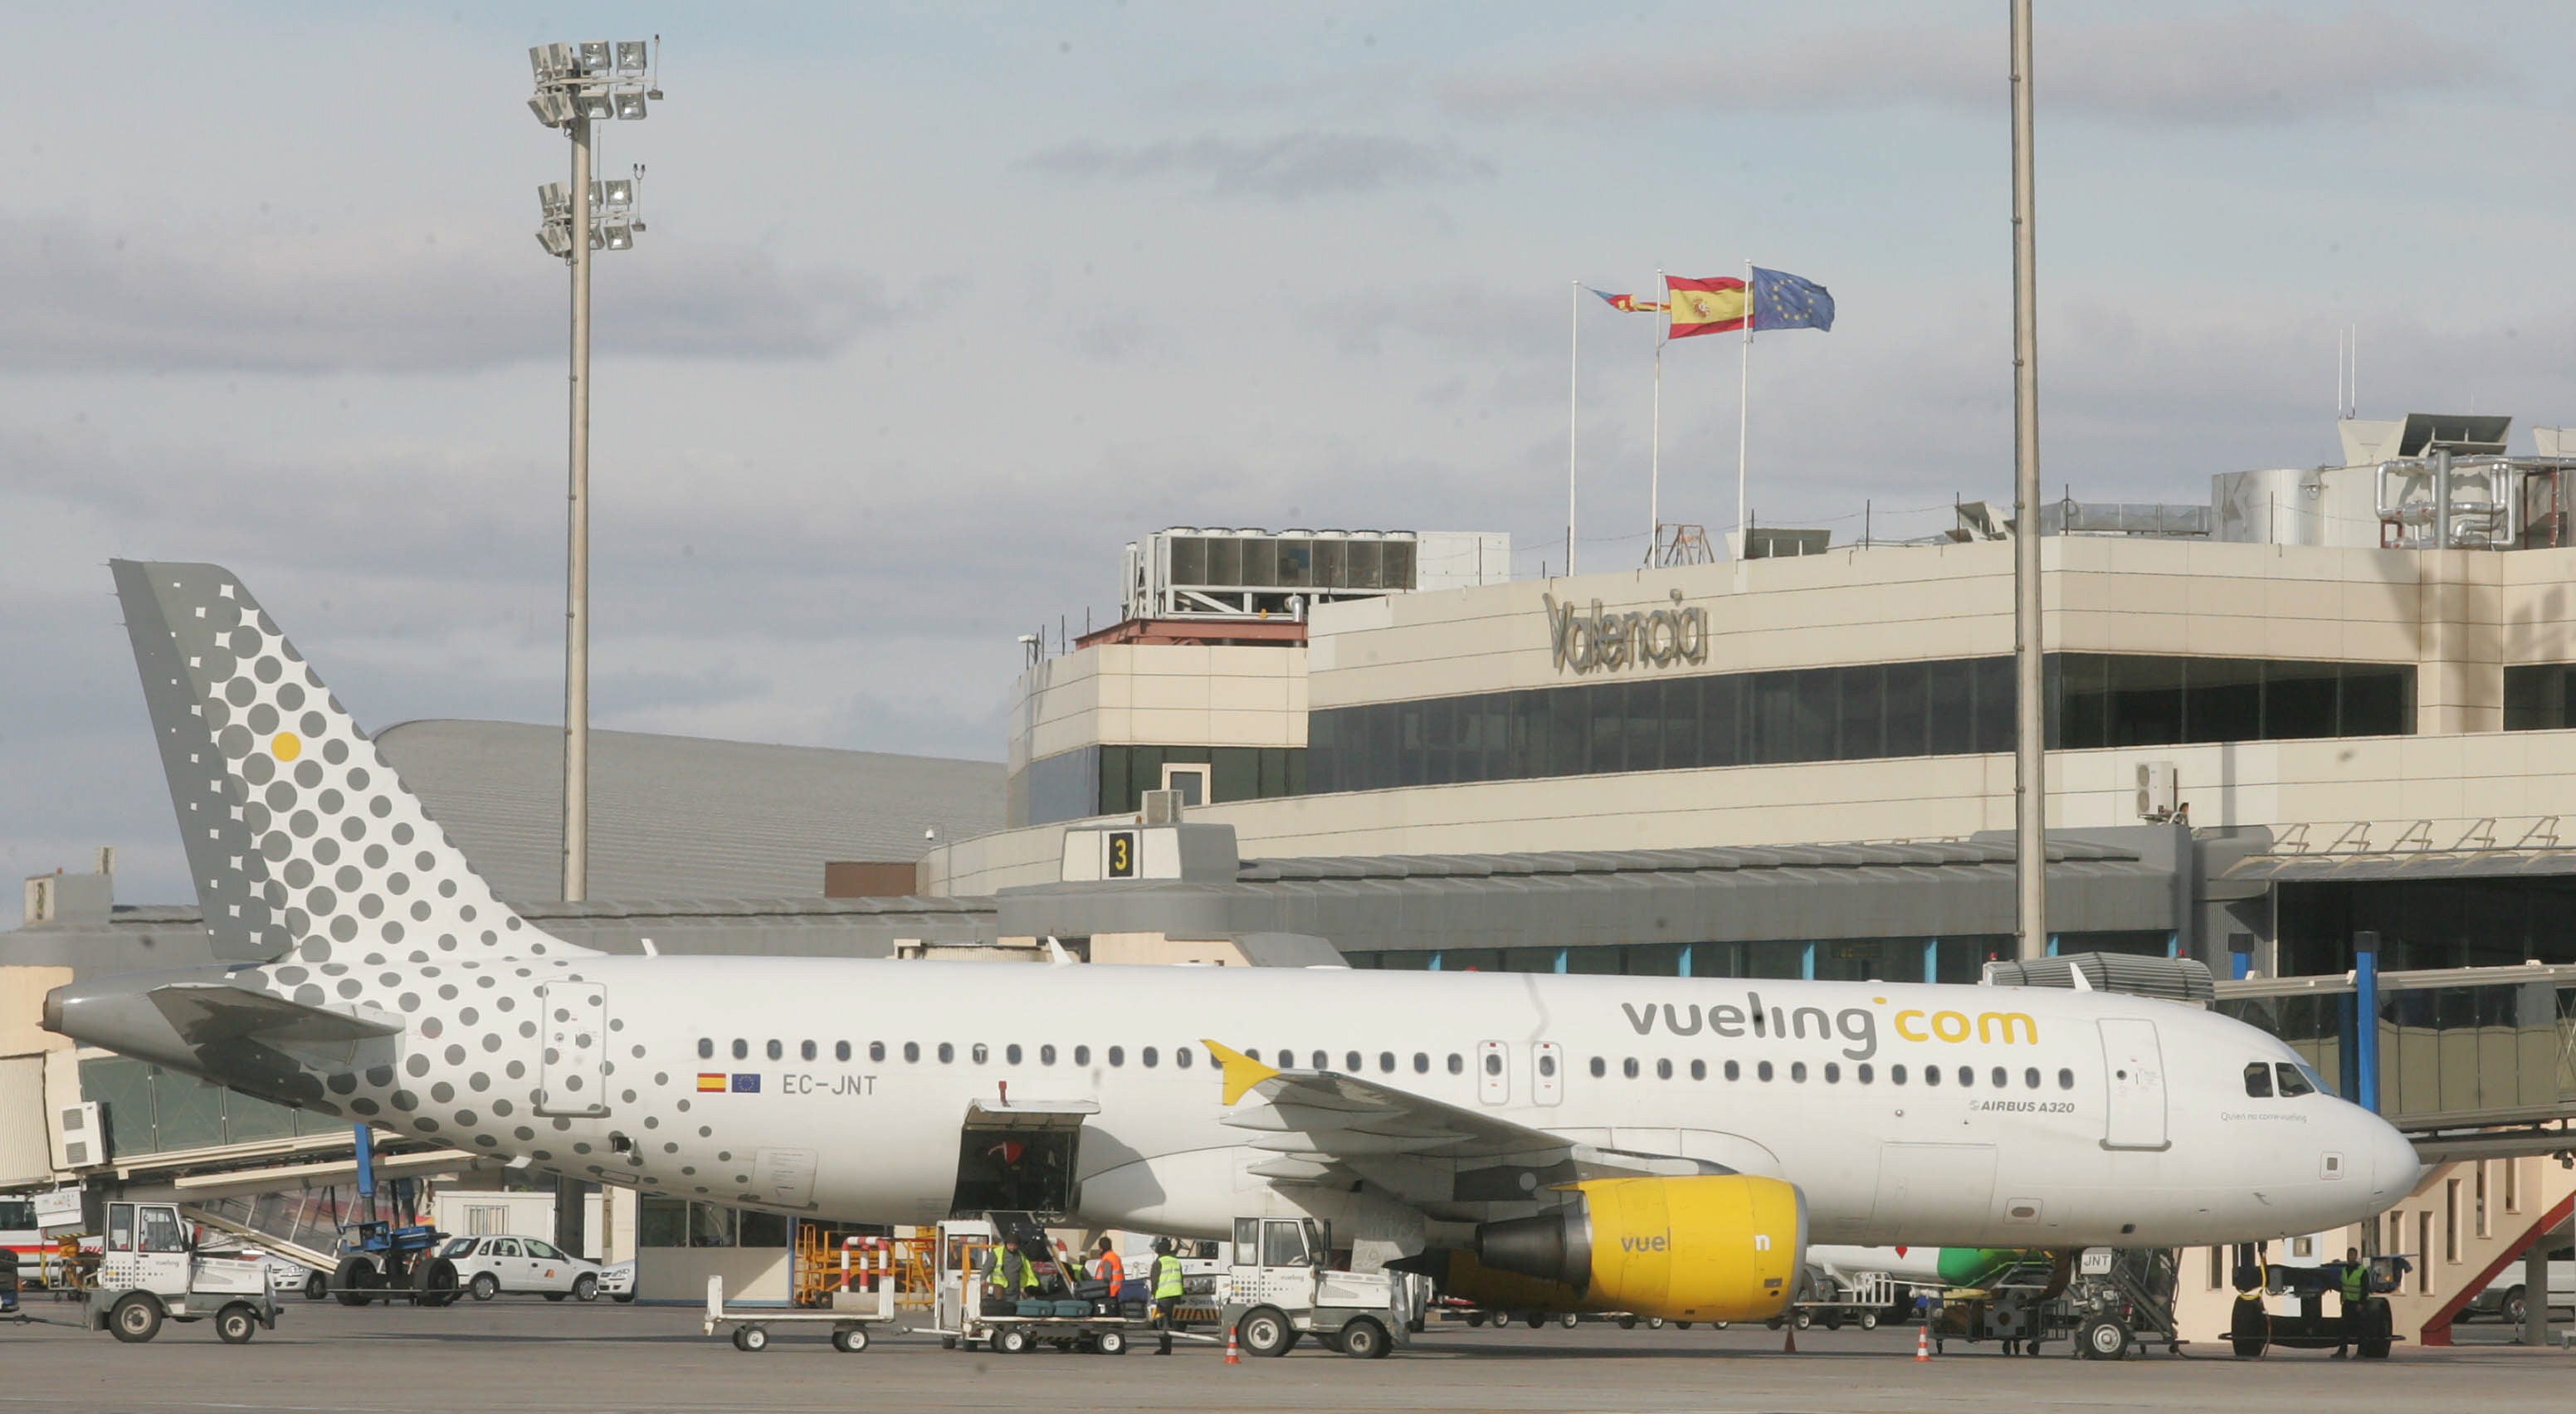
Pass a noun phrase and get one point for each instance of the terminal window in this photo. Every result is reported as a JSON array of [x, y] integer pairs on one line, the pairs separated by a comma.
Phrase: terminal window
[[1859, 712]]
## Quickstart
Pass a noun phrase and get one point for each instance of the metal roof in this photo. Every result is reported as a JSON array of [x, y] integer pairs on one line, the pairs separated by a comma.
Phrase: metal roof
[[683, 817], [2404, 864]]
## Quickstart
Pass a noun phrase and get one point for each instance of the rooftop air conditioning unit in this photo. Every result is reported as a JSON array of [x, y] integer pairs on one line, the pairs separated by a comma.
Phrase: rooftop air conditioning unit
[[2159, 796]]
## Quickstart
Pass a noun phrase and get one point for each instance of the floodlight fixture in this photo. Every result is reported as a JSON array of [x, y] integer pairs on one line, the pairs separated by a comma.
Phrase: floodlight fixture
[[595, 104], [595, 56], [632, 56], [554, 201], [556, 237], [618, 234], [551, 107], [630, 104], [621, 192]]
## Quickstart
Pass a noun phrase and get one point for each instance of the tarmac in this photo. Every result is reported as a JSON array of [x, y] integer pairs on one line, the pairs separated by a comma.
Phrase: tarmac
[[522, 1354]]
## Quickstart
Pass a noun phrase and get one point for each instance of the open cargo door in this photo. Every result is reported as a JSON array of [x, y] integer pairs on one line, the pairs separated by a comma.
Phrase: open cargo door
[[1020, 1157]]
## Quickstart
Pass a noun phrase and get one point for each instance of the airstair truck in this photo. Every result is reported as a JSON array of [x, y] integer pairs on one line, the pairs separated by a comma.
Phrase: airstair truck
[[150, 1271]]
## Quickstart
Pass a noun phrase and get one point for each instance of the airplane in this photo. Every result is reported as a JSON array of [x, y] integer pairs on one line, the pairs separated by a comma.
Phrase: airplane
[[1659, 1146]]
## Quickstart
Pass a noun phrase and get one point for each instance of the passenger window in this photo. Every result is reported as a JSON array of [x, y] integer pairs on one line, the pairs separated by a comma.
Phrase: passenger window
[[1861, 1072], [1046, 1055], [2258, 1080], [1082, 1055], [2294, 1081], [1967, 1076], [1546, 1065], [1421, 1063], [978, 1053], [2065, 1079], [1734, 1071], [1599, 1068], [2030, 1078], [706, 1048], [1011, 1053], [1763, 1071], [741, 1049], [1117, 1055], [1896, 1074], [1323, 1061], [2001, 1077], [876, 1050], [1931, 1075], [1494, 1063], [1458, 1063], [840, 1050], [1699, 1070], [1798, 1071], [1663, 1070], [1148, 1056], [806, 1051], [777, 1050], [912, 1052], [947, 1054], [1628, 1067], [1252, 1053], [1833, 1073], [1181, 1057], [1386, 1062]]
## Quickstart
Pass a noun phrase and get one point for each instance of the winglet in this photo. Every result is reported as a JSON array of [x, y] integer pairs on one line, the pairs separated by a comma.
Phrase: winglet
[[1242, 1072]]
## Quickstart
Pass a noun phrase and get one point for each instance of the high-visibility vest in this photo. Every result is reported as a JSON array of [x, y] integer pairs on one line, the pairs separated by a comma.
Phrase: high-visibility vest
[[1167, 1276], [1111, 1270], [2356, 1283], [1012, 1272]]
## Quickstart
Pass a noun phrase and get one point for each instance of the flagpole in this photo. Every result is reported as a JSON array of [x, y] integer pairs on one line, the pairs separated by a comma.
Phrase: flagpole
[[1655, 455], [1573, 395], [1744, 416]]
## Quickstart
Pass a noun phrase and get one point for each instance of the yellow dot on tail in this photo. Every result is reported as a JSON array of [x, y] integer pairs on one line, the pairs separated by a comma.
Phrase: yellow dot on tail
[[286, 747]]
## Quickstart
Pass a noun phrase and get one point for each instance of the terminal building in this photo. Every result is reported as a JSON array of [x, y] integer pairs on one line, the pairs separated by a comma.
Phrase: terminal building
[[2321, 705]]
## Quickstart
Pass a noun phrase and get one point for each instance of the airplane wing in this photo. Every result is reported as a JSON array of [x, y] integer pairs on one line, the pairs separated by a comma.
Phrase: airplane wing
[[207, 1012], [1321, 1126]]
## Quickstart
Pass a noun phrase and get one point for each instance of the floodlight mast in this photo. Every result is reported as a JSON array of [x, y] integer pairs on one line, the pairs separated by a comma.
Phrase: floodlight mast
[[575, 85]]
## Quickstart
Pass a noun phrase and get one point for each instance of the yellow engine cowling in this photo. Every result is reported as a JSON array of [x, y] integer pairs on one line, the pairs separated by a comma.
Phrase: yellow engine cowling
[[1717, 1247]]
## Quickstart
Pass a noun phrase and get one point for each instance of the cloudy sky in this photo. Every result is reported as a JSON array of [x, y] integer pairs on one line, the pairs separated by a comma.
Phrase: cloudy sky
[[941, 305]]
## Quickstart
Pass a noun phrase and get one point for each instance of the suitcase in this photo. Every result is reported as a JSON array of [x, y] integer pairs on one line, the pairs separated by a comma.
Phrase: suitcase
[[1133, 1310], [1033, 1310], [1091, 1290], [1069, 1308]]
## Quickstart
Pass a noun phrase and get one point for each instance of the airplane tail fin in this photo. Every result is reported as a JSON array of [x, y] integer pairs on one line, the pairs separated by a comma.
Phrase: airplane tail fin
[[299, 837]]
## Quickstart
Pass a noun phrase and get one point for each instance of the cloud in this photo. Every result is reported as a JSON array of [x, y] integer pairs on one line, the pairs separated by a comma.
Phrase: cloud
[[2237, 70], [80, 297], [1289, 167]]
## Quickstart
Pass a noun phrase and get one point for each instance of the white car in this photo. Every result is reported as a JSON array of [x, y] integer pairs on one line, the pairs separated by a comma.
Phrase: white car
[[617, 1281], [488, 1266]]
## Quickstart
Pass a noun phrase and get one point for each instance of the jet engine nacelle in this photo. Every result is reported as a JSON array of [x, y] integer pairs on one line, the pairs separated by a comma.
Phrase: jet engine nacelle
[[1718, 1247]]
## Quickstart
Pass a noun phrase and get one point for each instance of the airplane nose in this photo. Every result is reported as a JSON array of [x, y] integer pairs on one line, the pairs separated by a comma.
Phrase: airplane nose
[[2395, 1168]]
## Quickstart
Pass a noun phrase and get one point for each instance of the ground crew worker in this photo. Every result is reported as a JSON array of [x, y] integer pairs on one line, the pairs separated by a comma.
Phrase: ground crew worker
[[1106, 1265], [2356, 1299], [8, 1281], [1013, 1276], [1167, 1291]]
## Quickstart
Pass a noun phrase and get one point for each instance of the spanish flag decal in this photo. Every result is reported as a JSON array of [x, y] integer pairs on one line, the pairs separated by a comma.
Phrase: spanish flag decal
[[1705, 306], [710, 1083]]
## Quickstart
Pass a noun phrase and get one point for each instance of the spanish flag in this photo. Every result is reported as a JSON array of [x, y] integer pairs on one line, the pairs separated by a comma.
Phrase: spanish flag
[[710, 1083], [1628, 304], [1705, 306]]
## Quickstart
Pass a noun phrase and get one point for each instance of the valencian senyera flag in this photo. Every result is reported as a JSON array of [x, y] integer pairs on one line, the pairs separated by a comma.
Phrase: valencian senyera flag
[[1783, 301], [1629, 303], [1705, 306]]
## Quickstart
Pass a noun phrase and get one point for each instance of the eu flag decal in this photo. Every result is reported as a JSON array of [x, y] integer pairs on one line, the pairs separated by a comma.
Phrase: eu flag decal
[[746, 1084], [1783, 301]]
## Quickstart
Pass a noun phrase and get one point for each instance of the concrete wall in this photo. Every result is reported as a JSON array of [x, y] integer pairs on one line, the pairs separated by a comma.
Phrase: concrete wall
[[1159, 694]]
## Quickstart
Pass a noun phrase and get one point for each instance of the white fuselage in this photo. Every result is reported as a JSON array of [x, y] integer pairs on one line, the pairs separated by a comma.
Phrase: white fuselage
[[2112, 1144]]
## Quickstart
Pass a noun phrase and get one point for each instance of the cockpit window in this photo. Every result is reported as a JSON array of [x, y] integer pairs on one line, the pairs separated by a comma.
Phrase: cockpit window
[[2258, 1080], [2295, 1079]]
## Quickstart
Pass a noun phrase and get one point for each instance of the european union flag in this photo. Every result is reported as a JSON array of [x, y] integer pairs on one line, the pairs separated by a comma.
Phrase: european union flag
[[1783, 301], [746, 1084]]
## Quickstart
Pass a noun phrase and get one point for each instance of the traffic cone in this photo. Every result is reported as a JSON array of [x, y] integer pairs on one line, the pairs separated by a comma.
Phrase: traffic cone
[[1789, 1329], [1922, 1344], [1233, 1351]]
